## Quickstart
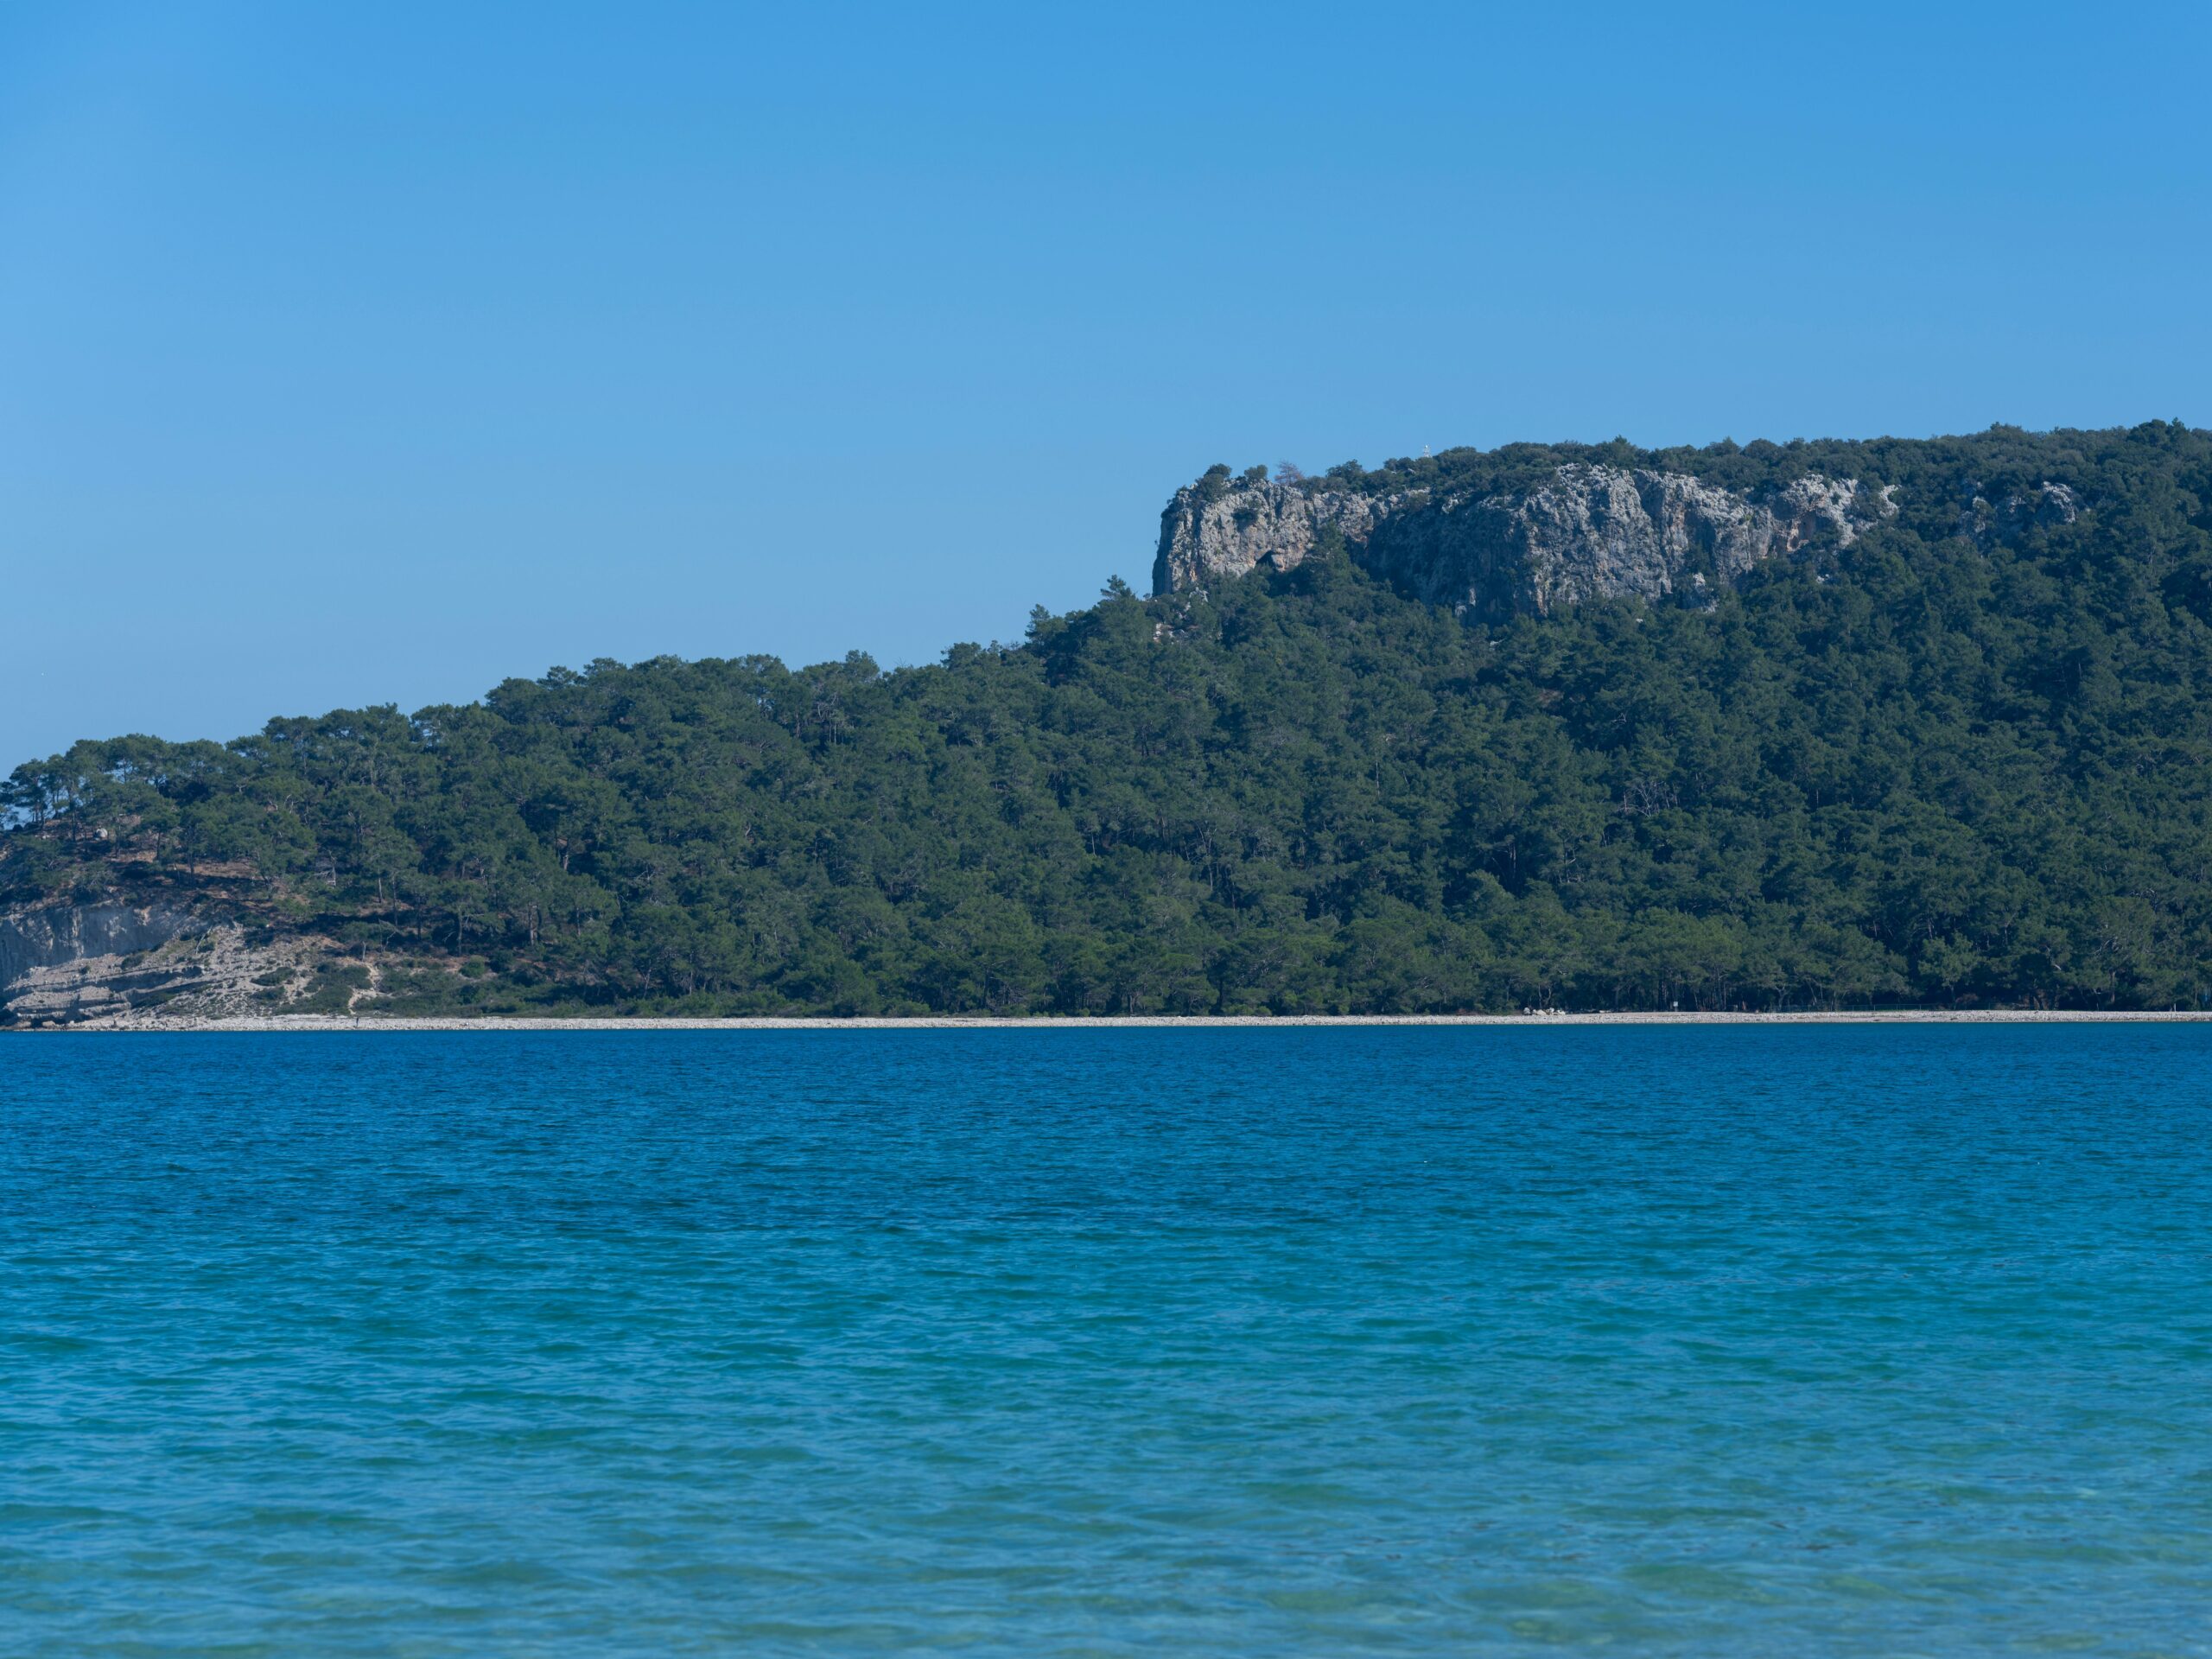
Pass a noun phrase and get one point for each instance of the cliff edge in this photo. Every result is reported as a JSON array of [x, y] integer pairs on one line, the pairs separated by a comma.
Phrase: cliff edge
[[1589, 530]]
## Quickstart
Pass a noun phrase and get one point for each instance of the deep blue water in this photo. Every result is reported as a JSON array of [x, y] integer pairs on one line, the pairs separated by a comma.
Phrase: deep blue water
[[1713, 1341]]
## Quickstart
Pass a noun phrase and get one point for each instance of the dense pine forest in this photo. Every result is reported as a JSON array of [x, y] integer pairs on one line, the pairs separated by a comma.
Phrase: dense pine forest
[[1962, 761]]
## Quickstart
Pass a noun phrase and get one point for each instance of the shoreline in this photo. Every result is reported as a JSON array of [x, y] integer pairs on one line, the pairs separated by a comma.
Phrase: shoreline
[[1129, 1022]]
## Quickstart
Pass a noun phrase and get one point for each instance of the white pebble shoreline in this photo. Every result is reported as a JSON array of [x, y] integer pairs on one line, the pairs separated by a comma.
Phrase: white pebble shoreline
[[1903, 1016]]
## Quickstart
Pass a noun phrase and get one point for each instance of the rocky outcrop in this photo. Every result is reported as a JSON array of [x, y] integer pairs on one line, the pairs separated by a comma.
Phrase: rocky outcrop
[[201, 969], [1986, 523], [1589, 531], [56, 935], [1209, 533]]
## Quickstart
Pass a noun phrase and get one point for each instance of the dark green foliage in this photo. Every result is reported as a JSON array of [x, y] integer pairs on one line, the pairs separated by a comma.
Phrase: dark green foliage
[[1931, 769], [332, 989]]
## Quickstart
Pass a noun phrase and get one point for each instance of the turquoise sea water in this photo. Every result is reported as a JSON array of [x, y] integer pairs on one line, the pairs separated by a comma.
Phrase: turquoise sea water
[[1713, 1341]]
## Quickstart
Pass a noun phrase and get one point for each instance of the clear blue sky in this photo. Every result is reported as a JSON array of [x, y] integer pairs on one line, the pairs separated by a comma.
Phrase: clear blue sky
[[373, 353]]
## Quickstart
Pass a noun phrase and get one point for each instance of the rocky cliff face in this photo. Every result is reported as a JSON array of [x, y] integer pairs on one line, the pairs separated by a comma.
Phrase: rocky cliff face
[[56, 935], [123, 964], [70, 961], [1588, 532]]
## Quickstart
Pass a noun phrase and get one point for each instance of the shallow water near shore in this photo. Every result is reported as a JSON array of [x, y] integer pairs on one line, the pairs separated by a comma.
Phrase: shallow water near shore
[[1699, 1340]]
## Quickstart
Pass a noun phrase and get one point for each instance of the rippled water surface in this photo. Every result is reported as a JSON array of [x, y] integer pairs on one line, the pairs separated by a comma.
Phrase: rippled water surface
[[1715, 1341]]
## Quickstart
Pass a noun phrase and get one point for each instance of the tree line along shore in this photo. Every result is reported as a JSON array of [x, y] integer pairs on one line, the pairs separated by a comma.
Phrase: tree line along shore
[[1945, 766]]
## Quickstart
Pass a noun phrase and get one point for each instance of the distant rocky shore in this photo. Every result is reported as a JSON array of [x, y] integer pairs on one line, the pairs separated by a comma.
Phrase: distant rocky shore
[[1535, 1017], [1818, 724]]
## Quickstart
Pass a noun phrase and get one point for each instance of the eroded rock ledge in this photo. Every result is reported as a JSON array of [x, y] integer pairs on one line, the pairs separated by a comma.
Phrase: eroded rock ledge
[[1590, 532], [59, 936]]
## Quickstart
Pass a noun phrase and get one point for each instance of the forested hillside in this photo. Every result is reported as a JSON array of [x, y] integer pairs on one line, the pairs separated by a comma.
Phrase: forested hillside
[[1962, 760]]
